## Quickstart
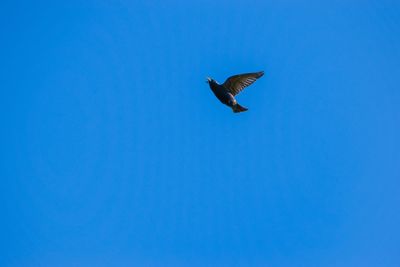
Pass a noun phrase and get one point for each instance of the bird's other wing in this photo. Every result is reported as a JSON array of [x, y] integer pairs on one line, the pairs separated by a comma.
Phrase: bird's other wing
[[235, 84]]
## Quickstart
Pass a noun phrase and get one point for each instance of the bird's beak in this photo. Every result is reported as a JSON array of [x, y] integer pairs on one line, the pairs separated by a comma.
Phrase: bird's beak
[[208, 80]]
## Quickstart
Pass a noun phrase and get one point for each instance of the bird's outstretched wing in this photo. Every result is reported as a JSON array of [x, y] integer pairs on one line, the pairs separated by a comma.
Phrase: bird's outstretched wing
[[235, 84]]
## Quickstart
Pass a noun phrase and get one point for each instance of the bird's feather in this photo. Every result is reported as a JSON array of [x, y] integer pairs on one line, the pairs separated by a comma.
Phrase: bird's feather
[[235, 84]]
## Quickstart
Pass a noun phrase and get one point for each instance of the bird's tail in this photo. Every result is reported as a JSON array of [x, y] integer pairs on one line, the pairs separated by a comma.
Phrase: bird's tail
[[238, 108]]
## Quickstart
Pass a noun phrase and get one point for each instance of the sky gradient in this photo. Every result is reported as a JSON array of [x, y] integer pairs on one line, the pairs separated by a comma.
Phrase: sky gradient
[[115, 152]]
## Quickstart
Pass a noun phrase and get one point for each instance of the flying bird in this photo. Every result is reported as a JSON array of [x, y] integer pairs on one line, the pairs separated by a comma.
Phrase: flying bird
[[227, 91]]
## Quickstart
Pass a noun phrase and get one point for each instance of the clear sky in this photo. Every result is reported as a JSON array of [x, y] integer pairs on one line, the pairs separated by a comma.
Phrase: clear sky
[[115, 152]]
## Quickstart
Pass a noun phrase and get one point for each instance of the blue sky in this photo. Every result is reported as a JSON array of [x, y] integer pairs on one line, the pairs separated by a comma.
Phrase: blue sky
[[116, 153]]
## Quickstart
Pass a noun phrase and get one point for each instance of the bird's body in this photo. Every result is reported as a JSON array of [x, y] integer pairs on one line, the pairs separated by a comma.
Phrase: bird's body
[[232, 86], [222, 94]]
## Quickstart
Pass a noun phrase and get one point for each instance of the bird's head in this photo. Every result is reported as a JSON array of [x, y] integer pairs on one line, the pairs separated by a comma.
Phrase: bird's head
[[209, 80]]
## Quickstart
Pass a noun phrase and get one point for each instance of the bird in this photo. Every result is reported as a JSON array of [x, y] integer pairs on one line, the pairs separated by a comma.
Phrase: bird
[[227, 91]]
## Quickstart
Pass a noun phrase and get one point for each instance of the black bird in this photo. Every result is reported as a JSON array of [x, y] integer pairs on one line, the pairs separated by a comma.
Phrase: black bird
[[227, 91]]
